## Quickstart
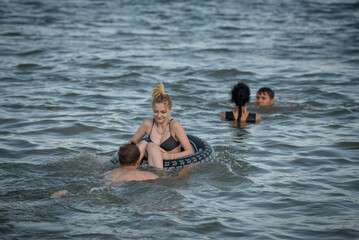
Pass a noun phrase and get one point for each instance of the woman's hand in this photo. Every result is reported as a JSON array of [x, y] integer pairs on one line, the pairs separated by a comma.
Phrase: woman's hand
[[165, 154]]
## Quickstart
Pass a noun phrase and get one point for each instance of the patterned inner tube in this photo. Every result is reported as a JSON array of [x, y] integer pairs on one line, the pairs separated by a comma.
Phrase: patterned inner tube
[[203, 152]]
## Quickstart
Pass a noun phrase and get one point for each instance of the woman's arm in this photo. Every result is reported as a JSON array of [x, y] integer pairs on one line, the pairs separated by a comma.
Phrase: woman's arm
[[180, 134], [141, 131]]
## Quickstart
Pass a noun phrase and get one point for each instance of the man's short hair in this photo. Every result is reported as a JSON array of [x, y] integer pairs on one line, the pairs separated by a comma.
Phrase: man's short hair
[[128, 154], [266, 90]]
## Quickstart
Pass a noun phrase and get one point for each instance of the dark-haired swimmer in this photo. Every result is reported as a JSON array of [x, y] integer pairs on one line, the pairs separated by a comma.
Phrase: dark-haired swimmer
[[240, 96], [265, 97], [129, 158], [165, 135]]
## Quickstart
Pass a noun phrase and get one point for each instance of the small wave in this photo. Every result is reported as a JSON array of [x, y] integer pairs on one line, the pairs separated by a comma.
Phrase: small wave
[[322, 75], [78, 165], [71, 130], [11, 34], [215, 50], [28, 65], [100, 189], [223, 73], [341, 112], [29, 53], [354, 62], [348, 145], [230, 28]]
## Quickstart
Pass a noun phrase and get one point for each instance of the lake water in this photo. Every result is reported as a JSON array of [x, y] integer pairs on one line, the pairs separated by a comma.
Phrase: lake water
[[75, 83]]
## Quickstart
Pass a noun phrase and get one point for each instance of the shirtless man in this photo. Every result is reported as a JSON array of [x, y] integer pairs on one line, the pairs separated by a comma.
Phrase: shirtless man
[[129, 158], [265, 97]]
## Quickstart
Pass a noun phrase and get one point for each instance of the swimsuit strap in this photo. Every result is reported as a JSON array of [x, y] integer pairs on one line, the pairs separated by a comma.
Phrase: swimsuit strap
[[153, 122], [170, 126]]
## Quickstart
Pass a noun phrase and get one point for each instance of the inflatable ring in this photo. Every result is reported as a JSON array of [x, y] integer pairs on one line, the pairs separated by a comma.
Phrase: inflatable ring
[[203, 152]]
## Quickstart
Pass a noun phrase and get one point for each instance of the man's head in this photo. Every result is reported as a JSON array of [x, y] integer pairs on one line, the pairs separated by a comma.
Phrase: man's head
[[265, 97], [128, 154]]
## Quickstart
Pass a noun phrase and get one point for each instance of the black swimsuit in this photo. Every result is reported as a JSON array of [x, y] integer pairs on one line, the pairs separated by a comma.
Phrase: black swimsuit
[[169, 144], [250, 119]]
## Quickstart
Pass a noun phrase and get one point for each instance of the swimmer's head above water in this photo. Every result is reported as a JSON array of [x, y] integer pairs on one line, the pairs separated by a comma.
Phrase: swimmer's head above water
[[265, 97], [160, 96], [240, 94], [129, 155], [161, 105]]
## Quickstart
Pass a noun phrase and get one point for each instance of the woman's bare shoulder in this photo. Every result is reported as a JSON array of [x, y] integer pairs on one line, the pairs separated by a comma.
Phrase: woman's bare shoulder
[[175, 124], [147, 123]]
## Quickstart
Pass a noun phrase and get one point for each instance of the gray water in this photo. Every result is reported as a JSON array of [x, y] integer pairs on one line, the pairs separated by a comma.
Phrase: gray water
[[75, 83]]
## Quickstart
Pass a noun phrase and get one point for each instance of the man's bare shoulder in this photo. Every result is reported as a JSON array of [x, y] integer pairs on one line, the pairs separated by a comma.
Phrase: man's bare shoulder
[[113, 174], [122, 175], [140, 176], [148, 175]]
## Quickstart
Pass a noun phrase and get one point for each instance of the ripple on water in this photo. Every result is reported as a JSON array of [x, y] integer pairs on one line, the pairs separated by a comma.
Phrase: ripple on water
[[76, 82], [30, 53], [32, 66]]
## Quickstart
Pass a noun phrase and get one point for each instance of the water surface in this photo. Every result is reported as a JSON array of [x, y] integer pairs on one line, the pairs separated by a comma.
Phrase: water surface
[[75, 83]]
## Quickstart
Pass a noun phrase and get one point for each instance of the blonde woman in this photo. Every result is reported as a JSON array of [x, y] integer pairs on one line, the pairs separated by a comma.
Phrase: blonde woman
[[166, 136]]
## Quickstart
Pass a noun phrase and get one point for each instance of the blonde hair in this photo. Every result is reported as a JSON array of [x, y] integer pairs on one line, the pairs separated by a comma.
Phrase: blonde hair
[[159, 96]]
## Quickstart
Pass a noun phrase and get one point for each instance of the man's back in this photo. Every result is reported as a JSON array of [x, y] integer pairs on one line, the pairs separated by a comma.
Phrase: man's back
[[129, 174]]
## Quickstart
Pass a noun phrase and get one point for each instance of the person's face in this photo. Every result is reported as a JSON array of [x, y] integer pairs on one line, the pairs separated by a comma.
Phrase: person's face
[[161, 112], [264, 100]]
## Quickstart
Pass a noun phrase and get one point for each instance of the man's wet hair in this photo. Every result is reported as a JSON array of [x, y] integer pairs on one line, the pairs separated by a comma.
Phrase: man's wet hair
[[266, 90], [128, 154]]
